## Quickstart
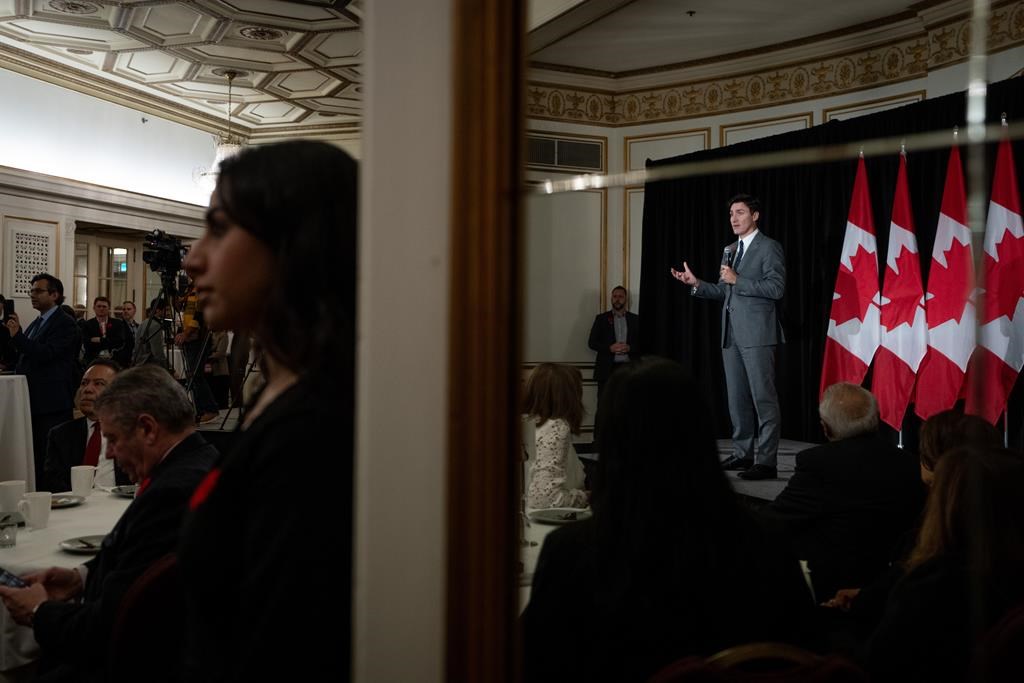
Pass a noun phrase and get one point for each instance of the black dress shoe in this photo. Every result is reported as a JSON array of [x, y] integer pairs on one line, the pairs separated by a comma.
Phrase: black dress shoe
[[758, 472], [734, 463]]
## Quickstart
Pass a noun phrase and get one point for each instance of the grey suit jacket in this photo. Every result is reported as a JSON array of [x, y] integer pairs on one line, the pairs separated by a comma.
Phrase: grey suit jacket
[[751, 305]]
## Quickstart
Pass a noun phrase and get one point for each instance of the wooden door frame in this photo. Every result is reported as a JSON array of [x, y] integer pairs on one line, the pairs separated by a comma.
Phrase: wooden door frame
[[485, 347]]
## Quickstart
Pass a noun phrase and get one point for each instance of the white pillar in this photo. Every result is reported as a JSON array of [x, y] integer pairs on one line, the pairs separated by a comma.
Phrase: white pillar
[[399, 590]]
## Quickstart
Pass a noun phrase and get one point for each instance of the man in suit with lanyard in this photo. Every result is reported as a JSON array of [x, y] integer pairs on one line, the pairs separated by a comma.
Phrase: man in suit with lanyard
[[47, 353], [751, 282]]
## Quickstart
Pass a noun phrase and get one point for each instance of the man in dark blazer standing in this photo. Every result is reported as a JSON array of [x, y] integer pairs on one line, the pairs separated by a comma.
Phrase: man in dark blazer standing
[[615, 335], [852, 500], [47, 354], [752, 280], [104, 336], [79, 441], [149, 424]]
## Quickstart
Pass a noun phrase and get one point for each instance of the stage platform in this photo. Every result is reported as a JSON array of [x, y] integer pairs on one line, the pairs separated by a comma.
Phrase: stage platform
[[766, 490], [757, 493]]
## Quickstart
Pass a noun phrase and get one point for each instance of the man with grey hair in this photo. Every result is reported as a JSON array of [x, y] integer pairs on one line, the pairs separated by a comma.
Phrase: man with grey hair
[[149, 425], [850, 500]]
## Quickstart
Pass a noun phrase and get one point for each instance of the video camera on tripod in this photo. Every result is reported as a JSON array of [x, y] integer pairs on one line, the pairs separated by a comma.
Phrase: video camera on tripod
[[164, 254]]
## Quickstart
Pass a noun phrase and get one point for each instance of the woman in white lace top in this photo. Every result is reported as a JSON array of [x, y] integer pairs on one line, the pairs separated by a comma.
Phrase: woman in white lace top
[[554, 403]]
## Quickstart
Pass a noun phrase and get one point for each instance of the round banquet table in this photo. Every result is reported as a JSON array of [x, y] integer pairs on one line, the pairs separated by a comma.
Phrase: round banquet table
[[16, 461], [40, 549]]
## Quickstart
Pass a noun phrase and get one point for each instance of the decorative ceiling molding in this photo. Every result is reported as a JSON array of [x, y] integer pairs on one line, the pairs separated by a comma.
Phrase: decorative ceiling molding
[[936, 46], [301, 62]]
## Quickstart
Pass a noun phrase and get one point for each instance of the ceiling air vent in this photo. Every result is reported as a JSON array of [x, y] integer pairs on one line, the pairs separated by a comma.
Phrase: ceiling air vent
[[567, 154]]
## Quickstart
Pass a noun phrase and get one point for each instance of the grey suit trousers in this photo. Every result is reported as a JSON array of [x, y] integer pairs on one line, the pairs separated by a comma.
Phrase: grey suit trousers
[[753, 400]]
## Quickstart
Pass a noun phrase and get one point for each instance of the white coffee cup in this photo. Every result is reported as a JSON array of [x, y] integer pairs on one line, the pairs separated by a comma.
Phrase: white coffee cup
[[10, 493], [82, 478], [35, 507]]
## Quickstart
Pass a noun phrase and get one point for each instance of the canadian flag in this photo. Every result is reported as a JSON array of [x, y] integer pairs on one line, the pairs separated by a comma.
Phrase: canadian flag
[[1000, 353], [904, 330], [853, 326], [949, 308]]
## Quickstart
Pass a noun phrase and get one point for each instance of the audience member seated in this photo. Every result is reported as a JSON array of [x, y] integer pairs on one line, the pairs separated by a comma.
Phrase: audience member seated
[[148, 422], [964, 573], [671, 564], [553, 400], [940, 434], [849, 500], [951, 429], [80, 441]]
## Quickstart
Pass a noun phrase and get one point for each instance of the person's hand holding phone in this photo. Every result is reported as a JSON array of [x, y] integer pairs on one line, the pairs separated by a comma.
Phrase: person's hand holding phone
[[60, 583], [13, 324]]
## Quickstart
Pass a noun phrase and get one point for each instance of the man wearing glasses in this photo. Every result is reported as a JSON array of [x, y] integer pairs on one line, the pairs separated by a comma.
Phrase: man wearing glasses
[[47, 351]]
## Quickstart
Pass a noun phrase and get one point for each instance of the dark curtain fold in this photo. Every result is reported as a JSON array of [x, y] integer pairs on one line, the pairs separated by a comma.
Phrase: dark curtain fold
[[805, 208]]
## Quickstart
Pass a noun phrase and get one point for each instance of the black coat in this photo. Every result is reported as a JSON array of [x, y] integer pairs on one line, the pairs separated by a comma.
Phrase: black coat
[[114, 341], [48, 362], [602, 336], [846, 508], [74, 635], [575, 627], [243, 555]]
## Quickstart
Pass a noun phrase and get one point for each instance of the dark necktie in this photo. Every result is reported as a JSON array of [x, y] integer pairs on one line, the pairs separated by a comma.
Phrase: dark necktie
[[92, 448], [739, 257]]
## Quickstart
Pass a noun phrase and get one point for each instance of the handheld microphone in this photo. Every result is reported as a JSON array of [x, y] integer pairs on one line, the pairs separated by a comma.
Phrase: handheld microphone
[[727, 256]]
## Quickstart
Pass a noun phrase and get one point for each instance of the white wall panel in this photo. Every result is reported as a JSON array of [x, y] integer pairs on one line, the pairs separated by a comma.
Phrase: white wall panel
[[762, 128], [640, 148], [564, 254]]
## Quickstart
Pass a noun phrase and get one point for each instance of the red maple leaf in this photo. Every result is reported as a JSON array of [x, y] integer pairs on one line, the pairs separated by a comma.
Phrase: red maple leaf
[[1004, 279], [903, 291], [950, 286], [856, 288]]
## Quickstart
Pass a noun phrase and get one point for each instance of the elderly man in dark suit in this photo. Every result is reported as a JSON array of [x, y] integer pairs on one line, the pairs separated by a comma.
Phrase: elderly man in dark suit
[[615, 335], [47, 354], [80, 442], [851, 500], [752, 280], [149, 425]]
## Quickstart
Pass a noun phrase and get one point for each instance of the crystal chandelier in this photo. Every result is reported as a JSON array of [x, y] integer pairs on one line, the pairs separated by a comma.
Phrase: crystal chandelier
[[228, 144]]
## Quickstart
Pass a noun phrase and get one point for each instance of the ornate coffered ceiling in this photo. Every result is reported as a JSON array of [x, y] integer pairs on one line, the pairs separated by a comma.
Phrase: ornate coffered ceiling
[[298, 64]]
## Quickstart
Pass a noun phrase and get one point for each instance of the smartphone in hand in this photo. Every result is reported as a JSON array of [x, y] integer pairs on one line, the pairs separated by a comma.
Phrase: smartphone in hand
[[10, 580], [8, 309]]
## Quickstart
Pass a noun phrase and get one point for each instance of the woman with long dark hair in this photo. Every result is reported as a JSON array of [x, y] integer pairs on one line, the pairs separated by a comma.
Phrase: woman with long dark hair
[[671, 564], [278, 261], [963, 574]]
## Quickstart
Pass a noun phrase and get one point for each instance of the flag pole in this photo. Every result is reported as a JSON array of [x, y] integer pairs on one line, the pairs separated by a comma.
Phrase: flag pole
[[1006, 428]]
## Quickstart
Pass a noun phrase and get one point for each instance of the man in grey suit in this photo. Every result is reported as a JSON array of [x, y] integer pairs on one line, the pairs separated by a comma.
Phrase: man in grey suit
[[751, 282]]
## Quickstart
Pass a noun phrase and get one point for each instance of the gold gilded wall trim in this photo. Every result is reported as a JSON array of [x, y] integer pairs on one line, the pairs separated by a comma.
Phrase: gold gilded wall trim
[[629, 140], [898, 61], [870, 106], [806, 118]]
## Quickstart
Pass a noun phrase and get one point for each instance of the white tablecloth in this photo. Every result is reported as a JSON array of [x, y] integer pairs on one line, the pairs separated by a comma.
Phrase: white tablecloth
[[39, 549], [16, 460]]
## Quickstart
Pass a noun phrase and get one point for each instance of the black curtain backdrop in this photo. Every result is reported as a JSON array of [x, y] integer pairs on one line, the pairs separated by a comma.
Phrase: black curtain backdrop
[[805, 208]]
